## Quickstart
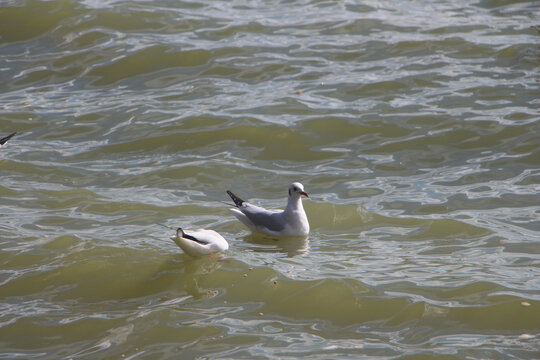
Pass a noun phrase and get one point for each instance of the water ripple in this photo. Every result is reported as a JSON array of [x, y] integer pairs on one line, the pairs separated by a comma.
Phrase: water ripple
[[412, 125]]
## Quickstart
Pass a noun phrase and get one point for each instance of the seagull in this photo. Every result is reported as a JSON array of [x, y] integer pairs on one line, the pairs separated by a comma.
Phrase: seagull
[[200, 242], [289, 222], [6, 138]]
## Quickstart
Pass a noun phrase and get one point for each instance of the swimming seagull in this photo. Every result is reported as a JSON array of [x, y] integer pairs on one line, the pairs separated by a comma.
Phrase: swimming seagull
[[200, 242], [289, 222], [6, 138]]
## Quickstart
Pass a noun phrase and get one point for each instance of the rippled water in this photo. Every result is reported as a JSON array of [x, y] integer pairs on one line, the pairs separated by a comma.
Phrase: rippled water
[[413, 125]]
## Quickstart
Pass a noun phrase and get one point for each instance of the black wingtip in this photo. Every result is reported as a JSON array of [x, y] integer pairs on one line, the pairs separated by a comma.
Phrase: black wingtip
[[192, 238], [6, 138], [236, 199]]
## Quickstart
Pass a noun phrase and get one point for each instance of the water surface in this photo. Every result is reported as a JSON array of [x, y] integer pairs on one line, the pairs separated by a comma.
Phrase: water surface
[[413, 126]]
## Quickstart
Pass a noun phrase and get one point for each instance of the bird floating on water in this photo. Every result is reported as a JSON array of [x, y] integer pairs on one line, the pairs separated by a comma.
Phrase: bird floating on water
[[289, 222], [6, 138], [200, 242]]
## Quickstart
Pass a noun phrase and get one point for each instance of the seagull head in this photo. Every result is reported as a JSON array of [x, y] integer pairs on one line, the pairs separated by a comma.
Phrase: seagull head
[[297, 190]]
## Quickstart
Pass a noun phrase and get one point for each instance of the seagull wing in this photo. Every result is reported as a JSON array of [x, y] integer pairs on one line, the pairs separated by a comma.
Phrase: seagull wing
[[199, 239], [270, 219], [6, 138]]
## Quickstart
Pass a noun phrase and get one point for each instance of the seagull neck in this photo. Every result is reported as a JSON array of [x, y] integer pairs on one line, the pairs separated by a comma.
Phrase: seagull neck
[[294, 204]]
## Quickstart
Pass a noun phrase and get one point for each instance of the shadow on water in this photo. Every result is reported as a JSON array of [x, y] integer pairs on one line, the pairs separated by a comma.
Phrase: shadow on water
[[291, 246], [183, 272]]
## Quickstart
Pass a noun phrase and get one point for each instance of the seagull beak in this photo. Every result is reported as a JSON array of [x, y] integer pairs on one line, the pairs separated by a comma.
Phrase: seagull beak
[[304, 193]]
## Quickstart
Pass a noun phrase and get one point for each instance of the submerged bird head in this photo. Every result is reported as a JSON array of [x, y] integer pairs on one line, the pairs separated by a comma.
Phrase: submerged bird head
[[297, 190]]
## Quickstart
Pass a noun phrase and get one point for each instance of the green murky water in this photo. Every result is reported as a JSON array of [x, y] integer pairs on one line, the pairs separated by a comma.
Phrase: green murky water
[[413, 125]]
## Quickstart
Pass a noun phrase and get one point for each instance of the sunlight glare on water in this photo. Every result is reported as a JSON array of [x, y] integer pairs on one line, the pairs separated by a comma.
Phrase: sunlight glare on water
[[412, 125]]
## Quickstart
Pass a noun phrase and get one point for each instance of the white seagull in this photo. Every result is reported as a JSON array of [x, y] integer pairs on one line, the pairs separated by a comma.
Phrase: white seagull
[[289, 222], [6, 138], [200, 242]]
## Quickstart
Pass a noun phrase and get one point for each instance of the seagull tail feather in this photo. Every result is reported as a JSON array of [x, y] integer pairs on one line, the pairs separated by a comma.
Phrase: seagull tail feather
[[237, 201]]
